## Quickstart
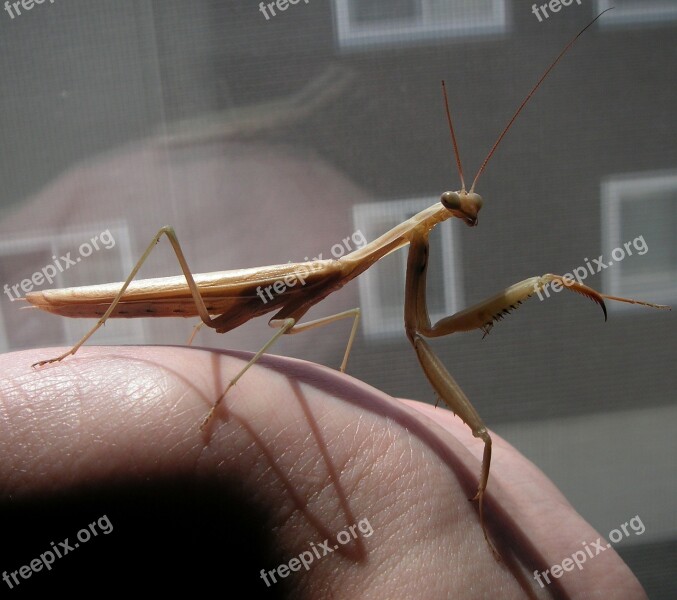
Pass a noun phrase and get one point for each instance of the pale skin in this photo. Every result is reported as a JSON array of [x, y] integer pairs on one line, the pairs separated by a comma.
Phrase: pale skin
[[319, 451]]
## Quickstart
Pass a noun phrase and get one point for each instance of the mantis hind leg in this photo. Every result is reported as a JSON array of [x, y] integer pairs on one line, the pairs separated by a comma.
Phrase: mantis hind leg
[[194, 290], [289, 325], [194, 333], [353, 313]]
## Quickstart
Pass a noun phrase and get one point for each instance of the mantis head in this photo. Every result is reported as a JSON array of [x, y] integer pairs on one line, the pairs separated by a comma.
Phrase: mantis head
[[464, 205]]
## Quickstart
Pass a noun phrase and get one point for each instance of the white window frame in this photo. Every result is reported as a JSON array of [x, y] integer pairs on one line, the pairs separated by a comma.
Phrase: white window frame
[[375, 325], [632, 187], [4, 343], [397, 32], [641, 12], [73, 329]]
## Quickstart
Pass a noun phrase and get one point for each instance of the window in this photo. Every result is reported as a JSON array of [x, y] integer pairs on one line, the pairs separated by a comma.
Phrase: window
[[366, 23], [39, 261], [639, 236], [636, 11], [382, 286]]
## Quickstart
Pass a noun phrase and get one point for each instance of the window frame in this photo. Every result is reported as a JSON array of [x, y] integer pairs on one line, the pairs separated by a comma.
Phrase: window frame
[[73, 329], [646, 12], [631, 187], [396, 32]]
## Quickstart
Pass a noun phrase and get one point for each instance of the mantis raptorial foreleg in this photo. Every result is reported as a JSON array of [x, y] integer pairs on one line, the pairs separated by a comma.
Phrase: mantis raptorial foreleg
[[481, 316], [417, 323], [290, 326]]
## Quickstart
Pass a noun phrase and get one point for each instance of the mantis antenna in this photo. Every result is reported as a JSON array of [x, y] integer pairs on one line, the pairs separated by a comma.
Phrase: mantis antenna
[[517, 112]]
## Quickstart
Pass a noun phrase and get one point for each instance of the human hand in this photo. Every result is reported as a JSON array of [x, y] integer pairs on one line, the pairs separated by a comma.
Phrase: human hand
[[297, 454]]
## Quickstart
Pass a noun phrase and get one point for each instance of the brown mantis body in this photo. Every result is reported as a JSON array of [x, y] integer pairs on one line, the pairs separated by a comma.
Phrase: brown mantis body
[[225, 300]]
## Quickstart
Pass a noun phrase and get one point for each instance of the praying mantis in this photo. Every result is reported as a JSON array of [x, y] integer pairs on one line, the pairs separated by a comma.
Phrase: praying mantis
[[225, 300]]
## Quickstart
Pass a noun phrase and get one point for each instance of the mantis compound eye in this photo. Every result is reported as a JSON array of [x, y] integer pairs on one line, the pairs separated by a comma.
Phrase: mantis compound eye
[[451, 200], [464, 205]]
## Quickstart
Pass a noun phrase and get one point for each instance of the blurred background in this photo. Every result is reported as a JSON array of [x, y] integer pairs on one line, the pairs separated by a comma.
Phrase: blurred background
[[276, 134]]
